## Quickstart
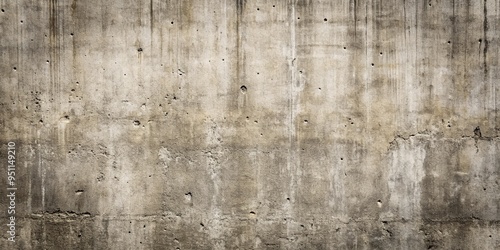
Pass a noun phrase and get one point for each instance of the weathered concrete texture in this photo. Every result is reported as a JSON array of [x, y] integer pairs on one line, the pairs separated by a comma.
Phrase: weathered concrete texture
[[241, 124]]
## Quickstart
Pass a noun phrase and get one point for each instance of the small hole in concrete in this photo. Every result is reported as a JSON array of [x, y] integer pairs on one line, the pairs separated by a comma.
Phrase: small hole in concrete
[[22, 21], [129, 232], [3, 10], [325, 19], [201, 224], [288, 199], [71, 34], [480, 40], [381, 53], [298, 18], [171, 22], [345, 47], [258, 9], [48, 61], [256, 121], [274, 5], [137, 123], [341, 158], [243, 89], [252, 212], [373, 64], [306, 121], [449, 42], [139, 49], [15, 68]]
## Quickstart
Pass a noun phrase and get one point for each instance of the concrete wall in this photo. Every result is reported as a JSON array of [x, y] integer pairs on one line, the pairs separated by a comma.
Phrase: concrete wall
[[307, 124]]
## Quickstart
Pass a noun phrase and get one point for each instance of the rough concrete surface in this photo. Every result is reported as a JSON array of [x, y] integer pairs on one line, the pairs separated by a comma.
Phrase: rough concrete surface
[[251, 124]]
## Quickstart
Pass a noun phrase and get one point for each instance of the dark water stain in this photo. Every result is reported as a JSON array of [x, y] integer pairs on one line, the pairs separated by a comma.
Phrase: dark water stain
[[73, 6], [151, 15], [353, 8], [240, 6], [485, 38]]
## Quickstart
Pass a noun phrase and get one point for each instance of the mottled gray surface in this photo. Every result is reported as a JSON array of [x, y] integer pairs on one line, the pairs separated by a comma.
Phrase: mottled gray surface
[[252, 124]]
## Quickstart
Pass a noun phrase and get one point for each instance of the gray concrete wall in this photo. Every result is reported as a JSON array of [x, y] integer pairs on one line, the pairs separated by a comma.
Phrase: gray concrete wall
[[241, 124]]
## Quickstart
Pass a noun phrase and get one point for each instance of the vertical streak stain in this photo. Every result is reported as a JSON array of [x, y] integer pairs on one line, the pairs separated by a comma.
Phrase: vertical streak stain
[[467, 20], [416, 39], [292, 162], [240, 5], [52, 38], [485, 38], [404, 27], [52, 78], [355, 20], [151, 34], [151, 21]]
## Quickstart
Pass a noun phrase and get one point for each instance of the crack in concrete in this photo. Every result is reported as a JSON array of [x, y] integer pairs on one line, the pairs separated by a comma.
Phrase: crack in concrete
[[477, 137], [61, 214]]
